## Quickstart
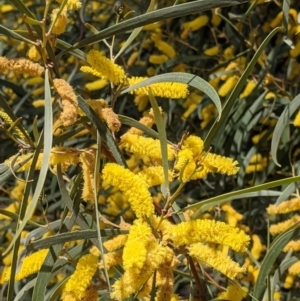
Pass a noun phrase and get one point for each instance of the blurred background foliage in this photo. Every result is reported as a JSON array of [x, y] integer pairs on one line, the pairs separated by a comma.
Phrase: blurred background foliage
[[216, 45]]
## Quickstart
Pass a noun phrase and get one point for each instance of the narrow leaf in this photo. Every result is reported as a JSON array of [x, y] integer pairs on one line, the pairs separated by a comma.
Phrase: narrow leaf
[[275, 249], [281, 125]]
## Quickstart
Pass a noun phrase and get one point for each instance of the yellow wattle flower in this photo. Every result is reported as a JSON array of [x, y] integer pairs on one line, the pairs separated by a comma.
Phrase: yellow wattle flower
[[297, 119], [145, 146], [193, 25], [103, 67], [285, 207], [138, 239], [257, 247], [81, 279], [165, 89], [293, 245], [132, 187], [212, 51], [233, 293], [69, 101], [281, 227], [192, 163], [61, 23], [153, 175], [217, 260], [228, 86], [248, 89], [133, 279], [30, 265], [22, 66], [195, 231]]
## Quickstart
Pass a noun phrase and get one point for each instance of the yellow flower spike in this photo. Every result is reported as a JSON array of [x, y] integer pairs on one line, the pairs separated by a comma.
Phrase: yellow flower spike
[[233, 293], [214, 82], [212, 51], [27, 165], [289, 281], [277, 296], [165, 277], [34, 81], [293, 246], [158, 59], [132, 187], [61, 23], [144, 146], [115, 243], [152, 26], [183, 158], [6, 8], [257, 138], [257, 247], [189, 111], [248, 89], [153, 175], [179, 68], [228, 86], [30, 265], [111, 119], [8, 121], [165, 48], [96, 85], [69, 101], [212, 231], [276, 22], [87, 160], [231, 213], [81, 279], [207, 114], [297, 120], [103, 67], [193, 143], [33, 54], [141, 102], [252, 274], [281, 227], [232, 66], [132, 280], [193, 98], [294, 269], [148, 120], [217, 260], [164, 89], [229, 52], [215, 18], [22, 66], [220, 164], [285, 207], [111, 260], [138, 239], [132, 58], [72, 4], [193, 25]]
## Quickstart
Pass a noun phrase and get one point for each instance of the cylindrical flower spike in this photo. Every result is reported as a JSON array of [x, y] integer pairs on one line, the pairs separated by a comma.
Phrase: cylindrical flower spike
[[132, 186]]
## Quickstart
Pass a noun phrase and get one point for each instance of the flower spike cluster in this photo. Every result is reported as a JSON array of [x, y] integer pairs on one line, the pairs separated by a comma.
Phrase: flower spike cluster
[[192, 163]]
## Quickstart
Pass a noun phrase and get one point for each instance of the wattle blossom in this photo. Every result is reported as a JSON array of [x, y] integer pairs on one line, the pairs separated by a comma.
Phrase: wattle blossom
[[132, 186]]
